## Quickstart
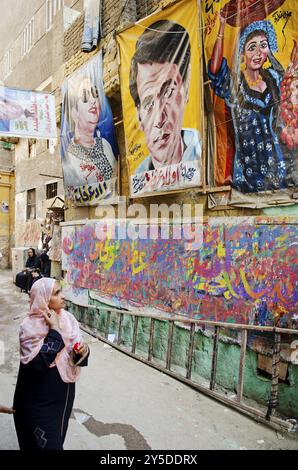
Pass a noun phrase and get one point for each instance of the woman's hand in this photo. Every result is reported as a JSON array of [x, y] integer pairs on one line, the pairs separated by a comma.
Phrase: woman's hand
[[5, 409], [52, 319], [82, 350]]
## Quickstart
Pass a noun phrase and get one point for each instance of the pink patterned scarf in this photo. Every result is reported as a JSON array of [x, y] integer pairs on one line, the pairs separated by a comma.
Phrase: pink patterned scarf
[[34, 329]]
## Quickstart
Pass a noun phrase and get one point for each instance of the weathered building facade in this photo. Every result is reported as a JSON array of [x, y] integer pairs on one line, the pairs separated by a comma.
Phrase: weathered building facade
[[34, 46]]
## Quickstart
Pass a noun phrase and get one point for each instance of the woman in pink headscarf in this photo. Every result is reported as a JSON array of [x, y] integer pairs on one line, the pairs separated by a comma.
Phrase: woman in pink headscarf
[[52, 353]]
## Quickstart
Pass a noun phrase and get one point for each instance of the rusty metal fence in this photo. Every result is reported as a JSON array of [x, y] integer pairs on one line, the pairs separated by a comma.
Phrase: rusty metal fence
[[268, 417]]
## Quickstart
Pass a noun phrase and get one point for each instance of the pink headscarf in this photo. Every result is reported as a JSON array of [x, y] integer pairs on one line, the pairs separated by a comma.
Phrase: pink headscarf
[[34, 329]]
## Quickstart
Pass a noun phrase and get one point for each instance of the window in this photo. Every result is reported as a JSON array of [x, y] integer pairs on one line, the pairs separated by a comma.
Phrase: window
[[52, 190], [52, 8], [31, 148], [28, 37], [7, 63], [31, 204]]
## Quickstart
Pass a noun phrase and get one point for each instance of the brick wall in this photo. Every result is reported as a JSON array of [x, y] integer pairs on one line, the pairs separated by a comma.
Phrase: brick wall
[[114, 14], [147, 7], [73, 38]]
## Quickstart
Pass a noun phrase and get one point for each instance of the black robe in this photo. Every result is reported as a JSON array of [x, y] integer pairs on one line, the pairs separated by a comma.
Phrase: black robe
[[45, 265], [24, 279], [43, 402]]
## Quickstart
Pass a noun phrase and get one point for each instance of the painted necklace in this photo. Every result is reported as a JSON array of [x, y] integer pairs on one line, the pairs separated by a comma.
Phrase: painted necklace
[[252, 82]]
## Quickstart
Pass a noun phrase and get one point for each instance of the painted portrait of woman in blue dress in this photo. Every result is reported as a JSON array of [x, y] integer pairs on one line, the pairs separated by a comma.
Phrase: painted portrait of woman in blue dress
[[251, 91]]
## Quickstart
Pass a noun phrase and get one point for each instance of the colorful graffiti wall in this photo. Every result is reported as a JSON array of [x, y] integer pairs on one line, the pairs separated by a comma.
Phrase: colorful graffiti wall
[[245, 272]]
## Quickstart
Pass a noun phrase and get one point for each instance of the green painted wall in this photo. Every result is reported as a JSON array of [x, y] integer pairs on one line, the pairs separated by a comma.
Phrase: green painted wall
[[256, 386], [281, 211]]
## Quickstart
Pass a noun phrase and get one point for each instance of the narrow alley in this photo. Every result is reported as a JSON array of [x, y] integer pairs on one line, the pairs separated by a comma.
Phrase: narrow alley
[[120, 402]]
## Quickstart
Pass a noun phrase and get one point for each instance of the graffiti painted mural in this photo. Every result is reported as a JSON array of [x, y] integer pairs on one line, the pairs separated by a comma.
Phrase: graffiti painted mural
[[55, 250], [28, 233], [245, 272]]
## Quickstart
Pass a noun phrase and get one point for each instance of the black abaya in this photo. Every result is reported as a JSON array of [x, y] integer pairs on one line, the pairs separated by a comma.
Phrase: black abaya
[[24, 279], [43, 402]]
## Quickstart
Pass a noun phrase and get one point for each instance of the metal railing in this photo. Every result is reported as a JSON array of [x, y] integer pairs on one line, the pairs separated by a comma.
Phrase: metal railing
[[237, 403]]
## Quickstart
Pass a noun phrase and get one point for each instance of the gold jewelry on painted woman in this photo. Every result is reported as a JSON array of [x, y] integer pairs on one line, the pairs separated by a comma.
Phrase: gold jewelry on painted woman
[[267, 64], [243, 64], [252, 82]]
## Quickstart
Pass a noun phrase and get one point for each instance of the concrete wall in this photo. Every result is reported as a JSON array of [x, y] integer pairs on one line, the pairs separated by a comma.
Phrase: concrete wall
[[46, 54], [8, 35]]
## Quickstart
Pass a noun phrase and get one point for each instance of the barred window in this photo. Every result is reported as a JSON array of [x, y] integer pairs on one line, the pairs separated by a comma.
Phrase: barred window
[[28, 37], [7, 63], [52, 8], [52, 190]]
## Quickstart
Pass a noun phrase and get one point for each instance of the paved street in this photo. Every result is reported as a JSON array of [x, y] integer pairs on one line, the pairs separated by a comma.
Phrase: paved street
[[123, 404]]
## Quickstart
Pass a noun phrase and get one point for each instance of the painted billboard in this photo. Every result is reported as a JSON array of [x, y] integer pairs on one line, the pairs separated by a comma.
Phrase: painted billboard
[[252, 62], [25, 113], [160, 74], [89, 148]]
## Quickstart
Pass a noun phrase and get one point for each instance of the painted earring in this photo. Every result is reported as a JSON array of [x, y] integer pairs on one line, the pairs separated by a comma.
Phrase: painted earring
[[267, 64], [243, 64]]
